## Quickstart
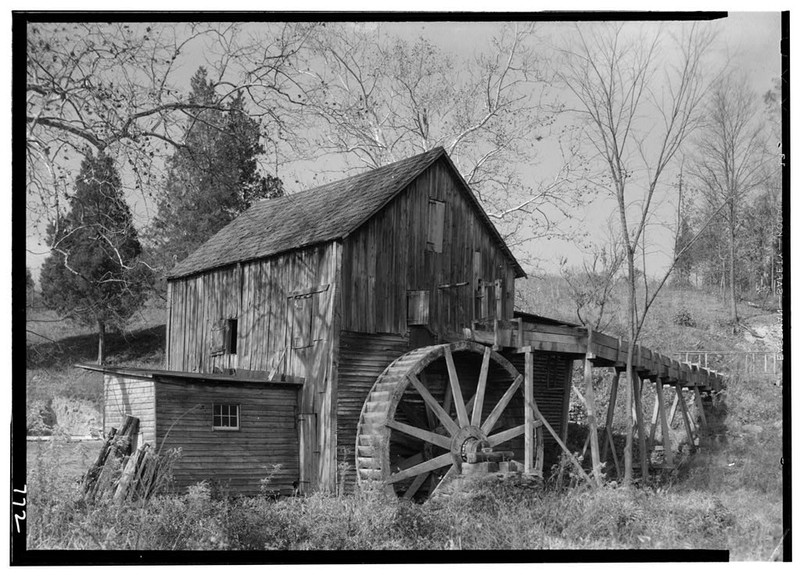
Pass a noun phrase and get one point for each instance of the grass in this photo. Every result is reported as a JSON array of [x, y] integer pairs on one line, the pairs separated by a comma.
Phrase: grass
[[726, 496]]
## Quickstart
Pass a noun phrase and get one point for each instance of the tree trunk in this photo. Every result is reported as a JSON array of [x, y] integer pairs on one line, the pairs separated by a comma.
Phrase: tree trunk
[[629, 371], [732, 272], [101, 341]]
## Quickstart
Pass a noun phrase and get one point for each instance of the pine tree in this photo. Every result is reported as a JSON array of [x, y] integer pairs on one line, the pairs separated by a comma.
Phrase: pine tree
[[93, 274], [212, 178]]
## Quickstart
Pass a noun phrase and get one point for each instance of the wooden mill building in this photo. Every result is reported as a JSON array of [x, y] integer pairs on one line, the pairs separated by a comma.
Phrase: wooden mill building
[[300, 334]]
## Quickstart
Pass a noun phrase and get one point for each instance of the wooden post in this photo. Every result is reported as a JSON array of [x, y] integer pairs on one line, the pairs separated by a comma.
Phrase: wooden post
[[651, 437], [590, 411], [686, 421], [664, 423], [699, 400], [637, 396], [673, 410], [612, 406], [529, 415], [498, 298]]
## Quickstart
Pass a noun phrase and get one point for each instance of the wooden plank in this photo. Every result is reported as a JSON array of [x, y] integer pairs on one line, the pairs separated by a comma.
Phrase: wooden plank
[[491, 420], [421, 434], [664, 423], [686, 419], [609, 438], [431, 402], [591, 412], [529, 415], [477, 409], [637, 396], [699, 401]]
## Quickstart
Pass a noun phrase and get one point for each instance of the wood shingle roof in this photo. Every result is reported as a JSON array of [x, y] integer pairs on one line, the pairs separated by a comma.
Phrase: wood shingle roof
[[318, 215]]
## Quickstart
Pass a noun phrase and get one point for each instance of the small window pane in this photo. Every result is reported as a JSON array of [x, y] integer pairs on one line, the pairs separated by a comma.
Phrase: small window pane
[[225, 416]]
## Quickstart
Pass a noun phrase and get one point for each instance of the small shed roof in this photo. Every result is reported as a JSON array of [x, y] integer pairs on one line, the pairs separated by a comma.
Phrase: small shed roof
[[175, 376], [321, 214]]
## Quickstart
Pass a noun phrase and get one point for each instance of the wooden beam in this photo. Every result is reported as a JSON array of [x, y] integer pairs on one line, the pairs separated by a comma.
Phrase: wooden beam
[[686, 419], [529, 415], [674, 408], [612, 406], [637, 397], [651, 437], [477, 408], [560, 442], [455, 385], [664, 424], [699, 401], [591, 412]]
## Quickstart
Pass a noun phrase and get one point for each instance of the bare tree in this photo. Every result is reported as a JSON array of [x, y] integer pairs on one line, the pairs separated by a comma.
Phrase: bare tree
[[119, 88], [591, 286], [637, 119], [377, 98], [730, 162]]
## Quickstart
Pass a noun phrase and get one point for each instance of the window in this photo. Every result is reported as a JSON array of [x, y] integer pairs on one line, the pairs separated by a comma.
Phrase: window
[[418, 303], [435, 225], [224, 334], [302, 320], [304, 306], [225, 417]]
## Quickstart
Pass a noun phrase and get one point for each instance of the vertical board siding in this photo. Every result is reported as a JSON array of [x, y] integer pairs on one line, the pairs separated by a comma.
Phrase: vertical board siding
[[125, 395], [266, 443], [362, 358], [388, 256], [256, 293], [550, 400]]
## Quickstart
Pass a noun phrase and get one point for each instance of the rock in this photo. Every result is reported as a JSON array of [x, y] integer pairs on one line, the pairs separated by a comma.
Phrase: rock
[[752, 429]]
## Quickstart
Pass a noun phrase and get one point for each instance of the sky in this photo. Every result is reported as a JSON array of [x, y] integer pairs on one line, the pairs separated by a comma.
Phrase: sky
[[750, 41]]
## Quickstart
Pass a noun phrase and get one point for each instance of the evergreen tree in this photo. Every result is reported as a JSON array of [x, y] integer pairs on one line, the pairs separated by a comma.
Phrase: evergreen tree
[[212, 178], [93, 274]]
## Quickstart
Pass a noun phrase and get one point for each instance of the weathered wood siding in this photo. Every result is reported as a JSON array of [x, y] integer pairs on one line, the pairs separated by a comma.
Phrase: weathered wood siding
[[552, 375], [258, 295], [362, 358], [388, 257], [237, 459], [126, 395], [284, 308]]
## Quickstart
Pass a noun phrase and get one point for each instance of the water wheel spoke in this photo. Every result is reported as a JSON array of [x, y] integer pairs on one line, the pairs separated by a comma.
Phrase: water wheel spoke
[[431, 403], [419, 433], [458, 398], [506, 435], [411, 461], [422, 468], [495, 414], [481, 391], [452, 471], [415, 485]]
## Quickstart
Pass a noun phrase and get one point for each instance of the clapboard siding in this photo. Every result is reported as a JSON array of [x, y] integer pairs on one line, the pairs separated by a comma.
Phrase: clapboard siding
[[388, 256], [125, 395], [239, 459], [362, 358], [552, 375]]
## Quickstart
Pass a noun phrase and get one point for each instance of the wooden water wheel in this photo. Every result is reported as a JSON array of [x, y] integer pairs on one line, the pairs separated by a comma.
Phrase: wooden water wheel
[[435, 409]]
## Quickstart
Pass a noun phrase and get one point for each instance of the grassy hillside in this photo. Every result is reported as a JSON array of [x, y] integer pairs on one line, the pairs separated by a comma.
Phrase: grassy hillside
[[726, 496], [62, 397]]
